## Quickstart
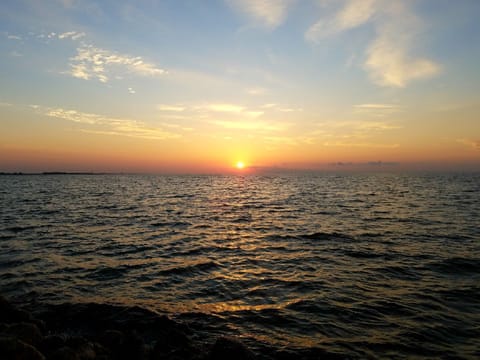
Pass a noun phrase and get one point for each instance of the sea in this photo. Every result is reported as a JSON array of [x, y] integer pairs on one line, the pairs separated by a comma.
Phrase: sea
[[371, 265]]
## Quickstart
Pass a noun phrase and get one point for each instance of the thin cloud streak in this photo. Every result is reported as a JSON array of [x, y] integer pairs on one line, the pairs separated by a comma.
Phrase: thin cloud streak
[[71, 35], [355, 13], [115, 126], [169, 108], [472, 144], [378, 110]]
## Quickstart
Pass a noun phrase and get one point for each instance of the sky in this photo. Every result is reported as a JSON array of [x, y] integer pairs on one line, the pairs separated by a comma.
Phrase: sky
[[196, 86]]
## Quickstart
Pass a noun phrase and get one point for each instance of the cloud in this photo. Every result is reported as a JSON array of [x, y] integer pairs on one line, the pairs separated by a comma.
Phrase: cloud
[[378, 110], [473, 144], [355, 13], [14, 37], [71, 35], [230, 109], [270, 13], [174, 108], [370, 163], [251, 125], [390, 58], [353, 133], [96, 63], [257, 91], [269, 106], [390, 61], [100, 124], [360, 144], [376, 106], [131, 90]]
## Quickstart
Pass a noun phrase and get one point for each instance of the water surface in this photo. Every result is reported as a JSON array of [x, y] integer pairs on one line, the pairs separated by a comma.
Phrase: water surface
[[377, 265]]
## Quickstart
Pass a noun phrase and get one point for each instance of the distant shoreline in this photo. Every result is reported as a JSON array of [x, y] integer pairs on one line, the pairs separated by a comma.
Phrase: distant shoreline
[[59, 173]]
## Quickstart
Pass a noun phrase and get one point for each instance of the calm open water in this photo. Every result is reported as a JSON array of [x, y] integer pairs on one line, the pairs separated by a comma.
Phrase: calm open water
[[379, 265]]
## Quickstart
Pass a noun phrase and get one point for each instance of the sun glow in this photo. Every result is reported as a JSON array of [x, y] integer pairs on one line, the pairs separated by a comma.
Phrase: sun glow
[[240, 165]]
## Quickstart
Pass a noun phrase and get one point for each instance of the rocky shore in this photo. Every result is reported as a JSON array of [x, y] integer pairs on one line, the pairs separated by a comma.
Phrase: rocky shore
[[102, 331]]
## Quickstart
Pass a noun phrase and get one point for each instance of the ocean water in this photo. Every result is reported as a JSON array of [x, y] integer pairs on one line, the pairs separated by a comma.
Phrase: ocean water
[[365, 265]]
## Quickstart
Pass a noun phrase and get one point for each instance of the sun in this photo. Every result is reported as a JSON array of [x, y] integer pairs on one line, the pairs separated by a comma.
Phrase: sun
[[240, 165]]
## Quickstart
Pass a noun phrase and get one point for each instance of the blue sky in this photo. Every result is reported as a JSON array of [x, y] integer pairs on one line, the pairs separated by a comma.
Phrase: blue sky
[[296, 82]]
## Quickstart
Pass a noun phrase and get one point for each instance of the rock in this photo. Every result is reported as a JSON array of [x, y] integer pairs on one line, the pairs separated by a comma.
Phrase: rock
[[75, 348], [3, 328], [174, 339], [231, 349], [173, 344], [101, 352], [112, 339], [14, 349], [50, 344], [86, 351], [27, 332], [83, 348], [64, 353], [133, 347], [9, 313]]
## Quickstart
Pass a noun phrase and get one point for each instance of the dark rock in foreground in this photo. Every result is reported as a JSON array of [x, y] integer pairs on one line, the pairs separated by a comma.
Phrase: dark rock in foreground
[[227, 348], [108, 332], [100, 331]]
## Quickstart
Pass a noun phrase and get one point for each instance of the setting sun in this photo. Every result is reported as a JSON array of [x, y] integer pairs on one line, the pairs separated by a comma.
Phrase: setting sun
[[240, 165]]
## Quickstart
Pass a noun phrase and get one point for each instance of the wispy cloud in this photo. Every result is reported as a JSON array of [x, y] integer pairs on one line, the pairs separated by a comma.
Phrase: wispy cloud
[[230, 109], [101, 124], [355, 13], [169, 108], [269, 13], [92, 62], [369, 163], [390, 58], [378, 110], [257, 125], [473, 144], [74, 35], [359, 133], [360, 144], [95, 63], [280, 108], [376, 106], [14, 37], [256, 91]]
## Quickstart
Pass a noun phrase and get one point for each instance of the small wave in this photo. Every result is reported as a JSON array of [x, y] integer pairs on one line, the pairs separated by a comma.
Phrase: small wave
[[457, 265], [191, 269], [400, 272], [174, 224], [105, 273], [196, 251], [364, 254], [17, 229], [324, 236], [108, 207], [17, 262], [242, 219]]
